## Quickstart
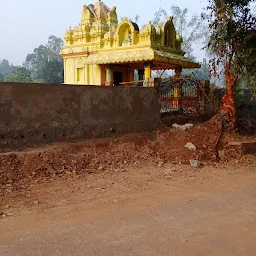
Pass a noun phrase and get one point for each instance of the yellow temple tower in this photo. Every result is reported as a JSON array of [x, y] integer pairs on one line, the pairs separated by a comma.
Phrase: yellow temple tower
[[101, 51]]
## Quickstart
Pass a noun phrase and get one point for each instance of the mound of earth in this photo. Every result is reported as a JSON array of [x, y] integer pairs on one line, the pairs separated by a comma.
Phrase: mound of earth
[[162, 146]]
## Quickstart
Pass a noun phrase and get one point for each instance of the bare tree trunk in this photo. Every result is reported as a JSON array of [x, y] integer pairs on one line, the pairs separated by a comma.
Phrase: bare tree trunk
[[228, 101]]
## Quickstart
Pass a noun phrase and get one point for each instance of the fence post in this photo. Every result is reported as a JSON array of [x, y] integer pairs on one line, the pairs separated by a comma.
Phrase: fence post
[[203, 88], [180, 98]]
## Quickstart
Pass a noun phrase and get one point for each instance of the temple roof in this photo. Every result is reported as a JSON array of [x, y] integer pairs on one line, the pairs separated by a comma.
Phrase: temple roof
[[101, 39], [167, 59]]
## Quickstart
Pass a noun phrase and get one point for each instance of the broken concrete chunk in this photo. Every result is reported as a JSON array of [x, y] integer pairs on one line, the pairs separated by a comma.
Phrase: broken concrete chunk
[[221, 154], [182, 127], [195, 163], [190, 146]]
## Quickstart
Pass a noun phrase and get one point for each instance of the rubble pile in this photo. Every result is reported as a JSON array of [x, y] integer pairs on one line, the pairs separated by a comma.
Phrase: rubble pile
[[119, 154]]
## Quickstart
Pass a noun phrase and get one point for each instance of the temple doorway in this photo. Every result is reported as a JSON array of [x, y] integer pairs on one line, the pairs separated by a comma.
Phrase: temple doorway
[[118, 78]]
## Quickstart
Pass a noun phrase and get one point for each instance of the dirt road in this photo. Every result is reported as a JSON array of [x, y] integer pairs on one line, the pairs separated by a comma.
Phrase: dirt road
[[211, 212]]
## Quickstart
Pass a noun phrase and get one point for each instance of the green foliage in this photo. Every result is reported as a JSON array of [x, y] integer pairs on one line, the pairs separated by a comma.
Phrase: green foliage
[[54, 45], [35, 61], [21, 75], [245, 111], [44, 65], [233, 38], [246, 59], [6, 67], [52, 72], [46, 58]]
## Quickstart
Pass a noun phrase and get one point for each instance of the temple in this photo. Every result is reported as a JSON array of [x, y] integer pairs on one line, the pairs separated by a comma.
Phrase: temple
[[102, 51]]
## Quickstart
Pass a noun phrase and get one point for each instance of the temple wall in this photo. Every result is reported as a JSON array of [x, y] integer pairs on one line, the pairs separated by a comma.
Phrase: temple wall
[[103, 74], [42, 113], [93, 75], [83, 74], [70, 76], [97, 75]]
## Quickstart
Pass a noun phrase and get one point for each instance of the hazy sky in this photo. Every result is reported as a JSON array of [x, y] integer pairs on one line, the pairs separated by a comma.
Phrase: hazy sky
[[25, 24]]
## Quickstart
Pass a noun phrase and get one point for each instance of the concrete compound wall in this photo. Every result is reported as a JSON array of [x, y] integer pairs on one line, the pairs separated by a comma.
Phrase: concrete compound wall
[[41, 113]]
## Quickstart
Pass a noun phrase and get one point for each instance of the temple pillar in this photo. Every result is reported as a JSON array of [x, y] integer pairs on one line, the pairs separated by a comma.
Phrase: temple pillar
[[177, 90], [147, 74], [65, 70], [131, 76], [109, 75], [147, 71], [86, 75]]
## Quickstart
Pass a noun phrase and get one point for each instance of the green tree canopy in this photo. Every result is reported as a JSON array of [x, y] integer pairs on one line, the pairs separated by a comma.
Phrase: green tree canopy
[[44, 56], [6, 67], [1, 77], [20, 75], [54, 45], [52, 72]]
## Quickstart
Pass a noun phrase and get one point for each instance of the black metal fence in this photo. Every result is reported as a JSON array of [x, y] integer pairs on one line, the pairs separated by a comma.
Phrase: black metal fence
[[182, 96]]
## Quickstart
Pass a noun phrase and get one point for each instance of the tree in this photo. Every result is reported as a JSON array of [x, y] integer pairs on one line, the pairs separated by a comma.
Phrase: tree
[[52, 72], [247, 59], [54, 45], [233, 44], [42, 59], [6, 67], [36, 60], [20, 75], [192, 30], [1, 77]]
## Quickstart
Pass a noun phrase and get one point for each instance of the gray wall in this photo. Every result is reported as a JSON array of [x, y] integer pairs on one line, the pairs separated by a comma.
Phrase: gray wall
[[42, 113]]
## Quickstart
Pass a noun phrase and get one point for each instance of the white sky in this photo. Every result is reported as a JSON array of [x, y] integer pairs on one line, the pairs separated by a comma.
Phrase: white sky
[[25, 24]]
